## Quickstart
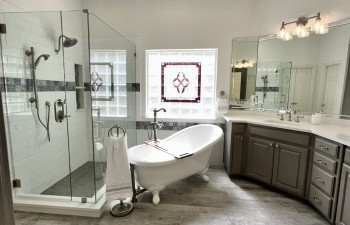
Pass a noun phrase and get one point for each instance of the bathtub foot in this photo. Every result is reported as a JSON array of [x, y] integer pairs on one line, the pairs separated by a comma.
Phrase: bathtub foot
[[155, 192], [204, 174]]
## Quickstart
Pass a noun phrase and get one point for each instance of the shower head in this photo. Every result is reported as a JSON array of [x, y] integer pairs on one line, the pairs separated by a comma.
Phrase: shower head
[[68, 42], [45, 56]]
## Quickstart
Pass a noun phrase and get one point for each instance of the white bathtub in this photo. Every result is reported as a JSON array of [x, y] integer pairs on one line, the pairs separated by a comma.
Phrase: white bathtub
[[156, 169]]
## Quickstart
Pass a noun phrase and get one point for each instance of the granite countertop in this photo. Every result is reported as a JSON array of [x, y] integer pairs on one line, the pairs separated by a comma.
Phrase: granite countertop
[[338, 131]]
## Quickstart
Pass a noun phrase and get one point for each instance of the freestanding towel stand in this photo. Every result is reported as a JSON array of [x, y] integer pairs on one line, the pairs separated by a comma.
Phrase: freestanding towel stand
[[122, 208]]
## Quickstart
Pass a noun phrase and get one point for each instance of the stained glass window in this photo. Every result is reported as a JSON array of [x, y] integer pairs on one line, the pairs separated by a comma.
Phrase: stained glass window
[[181, 81]]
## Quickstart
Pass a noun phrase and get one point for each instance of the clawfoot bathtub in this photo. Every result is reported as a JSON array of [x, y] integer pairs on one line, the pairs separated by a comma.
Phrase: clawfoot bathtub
[[156, 169]]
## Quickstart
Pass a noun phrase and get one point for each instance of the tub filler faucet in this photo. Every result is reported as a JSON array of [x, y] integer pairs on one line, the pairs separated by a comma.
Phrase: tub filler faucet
[[155, 125]]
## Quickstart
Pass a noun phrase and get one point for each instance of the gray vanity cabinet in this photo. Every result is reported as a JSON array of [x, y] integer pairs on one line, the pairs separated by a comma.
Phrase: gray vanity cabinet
[[325, 175], [260, 159], [279, 157], [343, 210], [290, 167], [234, 148]]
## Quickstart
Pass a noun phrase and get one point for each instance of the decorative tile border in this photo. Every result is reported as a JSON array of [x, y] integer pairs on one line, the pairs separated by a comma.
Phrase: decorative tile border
[[175, 126], [87, 86], [130, 87], [269, 89], [133, 87], [2, 86], [26, 85]]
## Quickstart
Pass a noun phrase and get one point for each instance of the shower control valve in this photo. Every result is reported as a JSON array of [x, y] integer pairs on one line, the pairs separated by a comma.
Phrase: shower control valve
[[59, 111]]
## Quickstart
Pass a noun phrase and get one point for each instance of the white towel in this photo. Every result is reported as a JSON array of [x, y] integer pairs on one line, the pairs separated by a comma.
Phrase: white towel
[[118, 177]]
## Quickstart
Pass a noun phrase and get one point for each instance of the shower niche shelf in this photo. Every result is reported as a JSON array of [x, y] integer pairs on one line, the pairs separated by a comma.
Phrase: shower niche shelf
[[79, 87]]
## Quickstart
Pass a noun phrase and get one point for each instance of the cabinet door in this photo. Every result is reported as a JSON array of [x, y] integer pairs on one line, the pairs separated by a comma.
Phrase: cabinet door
[[343, 215], [290, 168], [260, 159], [236, 153]]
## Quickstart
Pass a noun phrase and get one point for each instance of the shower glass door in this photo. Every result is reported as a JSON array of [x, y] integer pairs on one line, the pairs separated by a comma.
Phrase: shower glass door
[[113, 90], [57, 147], [29, 52], [78, 106]]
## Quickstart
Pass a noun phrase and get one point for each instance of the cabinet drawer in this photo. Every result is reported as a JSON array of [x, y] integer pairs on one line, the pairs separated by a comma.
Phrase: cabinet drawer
[[325, 162], [323, 180], [347, 156], [281, 135], [326, 147], [238, 128], [320, 201]]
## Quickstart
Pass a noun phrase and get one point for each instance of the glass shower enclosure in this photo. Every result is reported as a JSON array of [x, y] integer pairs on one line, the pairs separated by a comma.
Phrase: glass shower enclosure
[[67, 77]]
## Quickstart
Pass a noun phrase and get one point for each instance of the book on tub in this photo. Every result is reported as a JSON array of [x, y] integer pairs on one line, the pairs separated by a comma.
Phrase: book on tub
[[169, 148]]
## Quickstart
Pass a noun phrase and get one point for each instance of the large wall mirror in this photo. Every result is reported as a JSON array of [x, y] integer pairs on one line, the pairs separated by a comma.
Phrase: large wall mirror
[[243, 73], [307, 74]]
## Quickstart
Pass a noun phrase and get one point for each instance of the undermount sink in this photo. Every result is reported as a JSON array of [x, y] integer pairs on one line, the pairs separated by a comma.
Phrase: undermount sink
[[290, 123]]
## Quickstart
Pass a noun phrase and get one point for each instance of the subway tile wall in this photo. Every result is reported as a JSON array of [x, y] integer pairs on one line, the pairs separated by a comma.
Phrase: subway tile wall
[[36, 161]]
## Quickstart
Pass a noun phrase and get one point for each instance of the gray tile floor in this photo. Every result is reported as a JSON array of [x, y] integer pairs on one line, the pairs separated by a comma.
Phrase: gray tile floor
[[82, 181], [192, 201]]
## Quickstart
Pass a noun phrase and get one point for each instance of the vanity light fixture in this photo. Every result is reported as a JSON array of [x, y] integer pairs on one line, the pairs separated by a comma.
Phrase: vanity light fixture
[[243, 64], [301, 30]]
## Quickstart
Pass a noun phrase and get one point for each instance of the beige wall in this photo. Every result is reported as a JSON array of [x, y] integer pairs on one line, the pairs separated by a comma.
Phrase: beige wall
[[159, 24]]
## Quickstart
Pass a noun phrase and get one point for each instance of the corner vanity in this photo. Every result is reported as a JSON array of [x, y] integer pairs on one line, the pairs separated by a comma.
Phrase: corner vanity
[[304, 160]]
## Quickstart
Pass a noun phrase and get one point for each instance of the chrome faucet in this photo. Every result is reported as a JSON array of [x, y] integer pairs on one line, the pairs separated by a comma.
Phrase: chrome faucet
[[155, 125], [289, 113], [259, 102]]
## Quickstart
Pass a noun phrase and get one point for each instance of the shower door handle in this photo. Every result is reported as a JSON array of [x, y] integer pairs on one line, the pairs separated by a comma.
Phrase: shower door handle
[[59, 114]]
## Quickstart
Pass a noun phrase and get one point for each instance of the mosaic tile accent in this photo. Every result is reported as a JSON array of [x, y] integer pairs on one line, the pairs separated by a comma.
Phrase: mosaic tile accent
[[269, 89], [87, 86], [26, 85], [175, 126], [2, 86], [133, 87]]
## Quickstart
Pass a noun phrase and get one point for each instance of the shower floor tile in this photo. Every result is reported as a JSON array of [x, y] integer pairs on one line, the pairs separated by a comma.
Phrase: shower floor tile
[[82, 181], [223, 200]]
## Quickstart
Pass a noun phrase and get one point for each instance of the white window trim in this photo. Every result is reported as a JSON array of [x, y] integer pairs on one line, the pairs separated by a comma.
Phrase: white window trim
[[172, 119]]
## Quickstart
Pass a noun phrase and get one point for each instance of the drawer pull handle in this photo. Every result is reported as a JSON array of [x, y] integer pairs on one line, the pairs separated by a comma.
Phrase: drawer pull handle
[[323, 147], [277, 146], [241, 138], [323, 163], [320, 180], [317, 200], [270, 144]]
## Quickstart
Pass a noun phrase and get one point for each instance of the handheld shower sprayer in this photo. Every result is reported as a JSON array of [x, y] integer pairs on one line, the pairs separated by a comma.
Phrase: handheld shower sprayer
[[45, 56], [68, 42], [34, 99]]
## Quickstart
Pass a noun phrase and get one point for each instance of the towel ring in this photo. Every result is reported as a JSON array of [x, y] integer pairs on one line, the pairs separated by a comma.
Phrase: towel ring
[[117, 127]]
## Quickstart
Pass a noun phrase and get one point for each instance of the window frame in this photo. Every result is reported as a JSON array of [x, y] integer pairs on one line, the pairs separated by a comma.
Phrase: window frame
[[165, 116], [115, 100]]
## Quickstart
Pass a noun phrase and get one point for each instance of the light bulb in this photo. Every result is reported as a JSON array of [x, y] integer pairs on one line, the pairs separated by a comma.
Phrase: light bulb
[[287, 37], [319, 27], [301, 31], [322, 30], [281, 33]]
